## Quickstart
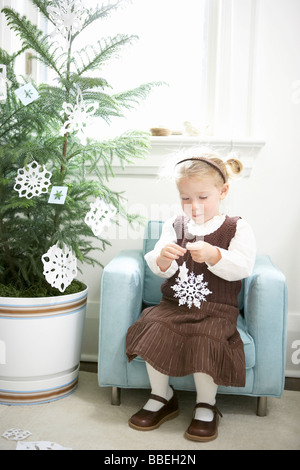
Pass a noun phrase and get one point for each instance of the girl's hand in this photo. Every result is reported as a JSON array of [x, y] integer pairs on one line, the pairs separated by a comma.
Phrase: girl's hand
[[203, 252], [168, 254]]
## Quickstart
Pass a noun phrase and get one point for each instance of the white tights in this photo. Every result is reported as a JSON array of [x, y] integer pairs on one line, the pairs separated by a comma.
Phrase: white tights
[[205, 387]]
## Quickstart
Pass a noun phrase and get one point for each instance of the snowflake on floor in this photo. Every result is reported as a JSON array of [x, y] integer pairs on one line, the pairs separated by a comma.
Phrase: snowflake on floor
[[40, 445], [190, 289], [15, 434], [32, 180], [78, 117]]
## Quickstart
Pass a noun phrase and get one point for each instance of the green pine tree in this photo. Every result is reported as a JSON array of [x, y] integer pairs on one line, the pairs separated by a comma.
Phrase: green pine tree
[[29, 227]]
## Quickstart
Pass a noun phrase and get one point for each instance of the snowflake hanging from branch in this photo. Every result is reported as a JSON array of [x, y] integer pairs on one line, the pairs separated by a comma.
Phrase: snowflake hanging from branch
[[60, 267], [33, 180], [190, 289], [67, 16], [78, 117], [100, 215]]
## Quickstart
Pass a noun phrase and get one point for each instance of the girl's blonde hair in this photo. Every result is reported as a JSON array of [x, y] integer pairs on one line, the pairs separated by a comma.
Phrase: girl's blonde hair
[[208, 165]]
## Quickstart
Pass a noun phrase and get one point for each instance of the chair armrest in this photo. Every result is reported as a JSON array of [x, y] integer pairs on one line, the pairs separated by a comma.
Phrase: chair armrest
[[120, 306], [266, 318]]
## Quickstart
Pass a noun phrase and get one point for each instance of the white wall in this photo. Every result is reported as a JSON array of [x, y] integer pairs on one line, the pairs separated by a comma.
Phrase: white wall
[[272, 198], [269, 199]]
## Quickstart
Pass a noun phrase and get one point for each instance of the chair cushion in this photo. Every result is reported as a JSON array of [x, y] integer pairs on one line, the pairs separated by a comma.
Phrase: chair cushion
[[249, 346]]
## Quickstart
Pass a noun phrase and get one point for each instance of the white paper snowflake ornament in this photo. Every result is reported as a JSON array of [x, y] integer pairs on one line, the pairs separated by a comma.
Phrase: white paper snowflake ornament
[[58, 195], [100, 215], [15, 434], [78, 117], [27, 94], [60, 267], [67, 16], [191, 290], [40, 445], [32, 180]]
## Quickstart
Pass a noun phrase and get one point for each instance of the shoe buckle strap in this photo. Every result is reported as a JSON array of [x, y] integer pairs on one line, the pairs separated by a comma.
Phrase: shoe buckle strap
[[158, 398], [161, 399], [209, 407]]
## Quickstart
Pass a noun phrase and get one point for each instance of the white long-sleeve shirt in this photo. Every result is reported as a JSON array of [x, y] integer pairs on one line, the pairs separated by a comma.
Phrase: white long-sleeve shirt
[[236, 263]]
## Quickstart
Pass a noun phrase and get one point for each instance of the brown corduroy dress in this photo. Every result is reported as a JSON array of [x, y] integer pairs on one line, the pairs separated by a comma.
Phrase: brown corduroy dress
[[193, 329]]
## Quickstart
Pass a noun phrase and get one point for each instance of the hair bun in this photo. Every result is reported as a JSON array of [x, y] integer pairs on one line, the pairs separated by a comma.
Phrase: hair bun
[[235, 166]]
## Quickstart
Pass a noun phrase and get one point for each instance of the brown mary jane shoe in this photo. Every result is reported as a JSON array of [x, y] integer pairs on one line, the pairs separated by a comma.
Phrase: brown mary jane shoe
[[145, 420], [204, 431]]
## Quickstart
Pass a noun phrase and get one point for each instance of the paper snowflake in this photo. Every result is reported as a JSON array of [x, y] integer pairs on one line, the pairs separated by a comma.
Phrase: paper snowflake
[[40, 445], [33, 180], [100, 215], [67, 16], [58, 195], [15, 434], [27, 94], [190, 289], [60, 267], [78, 116]]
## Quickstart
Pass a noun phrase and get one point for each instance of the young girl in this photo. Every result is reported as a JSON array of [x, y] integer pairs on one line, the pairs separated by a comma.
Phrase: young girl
[[203, 255]]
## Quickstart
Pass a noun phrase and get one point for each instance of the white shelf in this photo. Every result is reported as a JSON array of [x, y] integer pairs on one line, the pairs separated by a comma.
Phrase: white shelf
[[175, 140], [163, 148]]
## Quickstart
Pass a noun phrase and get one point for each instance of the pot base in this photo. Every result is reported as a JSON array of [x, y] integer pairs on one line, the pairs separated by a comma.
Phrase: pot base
[[40, 347], [37, 392]]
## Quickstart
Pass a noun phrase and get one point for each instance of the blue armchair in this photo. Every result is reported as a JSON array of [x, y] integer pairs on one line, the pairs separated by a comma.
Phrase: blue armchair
[[128, 286]]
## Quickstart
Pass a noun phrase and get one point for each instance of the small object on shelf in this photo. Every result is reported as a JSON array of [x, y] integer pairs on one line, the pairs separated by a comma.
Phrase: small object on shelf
[[160, 131], [190, 129], [177, 133]]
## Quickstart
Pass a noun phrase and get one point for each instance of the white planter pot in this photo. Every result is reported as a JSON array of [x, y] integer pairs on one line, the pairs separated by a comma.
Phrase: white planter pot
[[40, 347]]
